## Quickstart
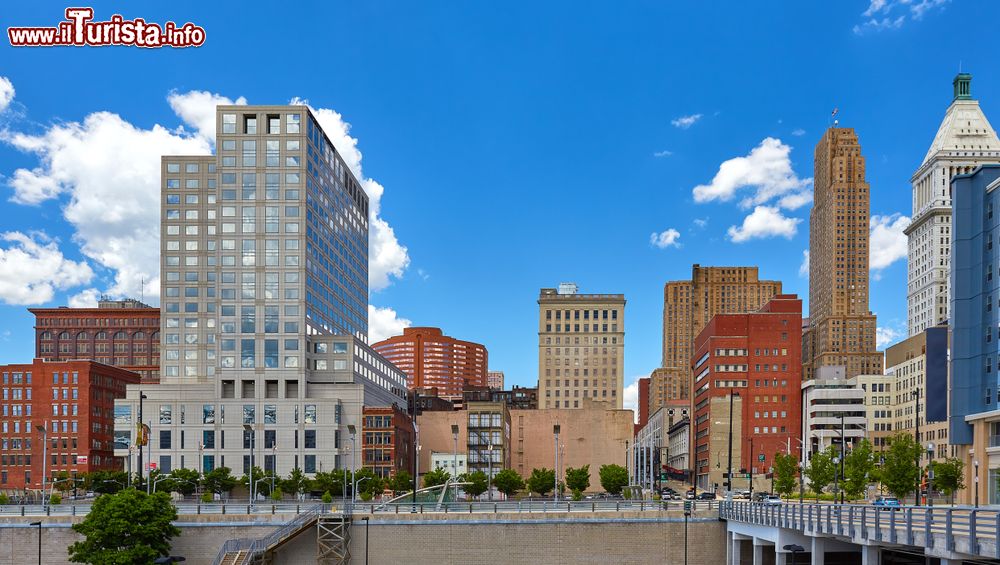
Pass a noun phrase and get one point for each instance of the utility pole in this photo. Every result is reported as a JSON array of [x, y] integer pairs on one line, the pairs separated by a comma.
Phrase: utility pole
[[916, 436], [843, 442], [729, 472]]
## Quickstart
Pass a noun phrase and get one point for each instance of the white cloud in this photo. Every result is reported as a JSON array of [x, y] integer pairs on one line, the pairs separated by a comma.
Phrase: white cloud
[[874, 7], [664, 153], [110, 171], [879, 25], [684, 122], [197, 109], [796, 200], [804, 267], [918, 9], [767, 169], [665, 239], [630, 399], [701, 222], [891, 14], [886, 336], [32, 268], [387, 257], [6, 93], [86, 298], [799, 132], [764, 222], [384, 323], [887, 241]]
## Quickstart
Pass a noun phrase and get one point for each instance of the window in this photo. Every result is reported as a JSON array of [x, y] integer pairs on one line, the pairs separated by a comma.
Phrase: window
[[208, 439], [310, 414], [292, 123], [310, 464], [310, 439], [228, 123], [249, 124], [164, 439]]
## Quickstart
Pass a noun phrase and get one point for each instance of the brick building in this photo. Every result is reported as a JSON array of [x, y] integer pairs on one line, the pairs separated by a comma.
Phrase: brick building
[[122, 333], [387, 440], [74, 401], [758, 357], [431, 359]]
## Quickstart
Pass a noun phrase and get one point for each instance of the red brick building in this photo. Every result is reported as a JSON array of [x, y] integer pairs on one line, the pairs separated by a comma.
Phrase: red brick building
[[387, 440], [122, 333], [431, 359], [757, 356], [643, 403], [75, 402]]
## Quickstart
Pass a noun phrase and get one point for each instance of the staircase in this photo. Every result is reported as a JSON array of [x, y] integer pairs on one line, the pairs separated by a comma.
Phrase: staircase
[[246, 551]]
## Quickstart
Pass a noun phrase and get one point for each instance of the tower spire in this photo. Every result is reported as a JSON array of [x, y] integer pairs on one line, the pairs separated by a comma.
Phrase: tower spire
[[962, 86]]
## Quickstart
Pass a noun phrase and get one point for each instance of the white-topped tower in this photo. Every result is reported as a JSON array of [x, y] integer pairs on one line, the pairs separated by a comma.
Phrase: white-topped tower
[[964, 141]]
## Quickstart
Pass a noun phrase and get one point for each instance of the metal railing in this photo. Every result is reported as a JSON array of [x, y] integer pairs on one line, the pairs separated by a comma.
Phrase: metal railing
[[234, 508], [535, 506], [959, 529], [254, 547]]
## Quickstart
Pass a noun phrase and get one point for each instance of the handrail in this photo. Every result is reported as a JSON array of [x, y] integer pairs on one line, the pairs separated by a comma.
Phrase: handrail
[[257, 546]]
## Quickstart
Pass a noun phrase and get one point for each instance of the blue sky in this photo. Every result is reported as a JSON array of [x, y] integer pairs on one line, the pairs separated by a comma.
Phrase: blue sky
[[518, 145]]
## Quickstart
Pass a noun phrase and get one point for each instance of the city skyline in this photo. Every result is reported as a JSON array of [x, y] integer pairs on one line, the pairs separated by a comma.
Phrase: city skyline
[[669, 167]]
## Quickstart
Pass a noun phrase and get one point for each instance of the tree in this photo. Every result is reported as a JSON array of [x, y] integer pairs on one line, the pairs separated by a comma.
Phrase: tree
[[297, 482], [859, 467], [328, 481], [948, 476], [185, 481], [578, 480], [613, 478], [508, 482], [401, 482], [277, 495], [125, 528], [542, 481], [785, 469], [478, 483], [821, 470], [219, 480], [436, 477], [369, 484], [263, 480], [899, 473], [106, 482]]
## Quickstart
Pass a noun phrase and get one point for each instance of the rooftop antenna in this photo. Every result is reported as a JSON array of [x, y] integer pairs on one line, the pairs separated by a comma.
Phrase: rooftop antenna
[[142, 289]]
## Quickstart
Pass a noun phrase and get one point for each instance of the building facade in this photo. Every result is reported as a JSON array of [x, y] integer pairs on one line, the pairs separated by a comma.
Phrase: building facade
[[643, 403], [73, 401], [431, 359], [757, 356], [833, 407], [880, 408], [668, 386], [494, 379], [679, 446], [964, 140], [264, 297], [581, 347], [123, 333], [387, 443], [842, 328]]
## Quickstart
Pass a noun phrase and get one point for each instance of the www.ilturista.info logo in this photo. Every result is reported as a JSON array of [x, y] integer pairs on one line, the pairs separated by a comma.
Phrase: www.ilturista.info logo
[[79, 29]]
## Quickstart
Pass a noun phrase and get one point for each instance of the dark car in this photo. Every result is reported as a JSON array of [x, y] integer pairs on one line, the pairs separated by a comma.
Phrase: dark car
[[706, 496]]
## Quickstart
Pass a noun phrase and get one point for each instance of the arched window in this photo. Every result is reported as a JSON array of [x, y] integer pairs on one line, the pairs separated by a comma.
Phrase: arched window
[[82, 336], [64, 335], [101, 335], [139, 335], [46, 335], [120, 335]]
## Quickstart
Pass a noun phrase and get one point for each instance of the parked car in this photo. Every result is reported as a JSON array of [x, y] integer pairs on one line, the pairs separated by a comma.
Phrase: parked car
[[886, 503], [690, 495], [771, 499], [741, 495], [706, 496]]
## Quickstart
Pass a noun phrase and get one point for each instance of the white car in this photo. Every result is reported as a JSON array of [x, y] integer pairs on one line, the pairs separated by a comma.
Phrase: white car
[[771, 499]]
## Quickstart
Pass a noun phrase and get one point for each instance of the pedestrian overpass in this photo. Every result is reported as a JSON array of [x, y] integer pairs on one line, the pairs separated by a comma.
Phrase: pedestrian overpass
[[831, 534]]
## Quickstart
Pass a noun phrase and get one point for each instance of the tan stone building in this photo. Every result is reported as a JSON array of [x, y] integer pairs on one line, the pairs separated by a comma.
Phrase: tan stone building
[[581, 346], [689, 305], [879, 408], [483, 436], [668, 386], [919, 368], [842, 329]]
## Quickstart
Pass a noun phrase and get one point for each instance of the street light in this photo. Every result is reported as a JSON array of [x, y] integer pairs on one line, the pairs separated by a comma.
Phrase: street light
[[729, 472], [45, 458], [39, 524], [249, 429], [489, 473], [116, 481], [916, 436], [140, 434], [796, 550], [354, 487], [975, 480], [454, 434], [555, 432], [930, 473]]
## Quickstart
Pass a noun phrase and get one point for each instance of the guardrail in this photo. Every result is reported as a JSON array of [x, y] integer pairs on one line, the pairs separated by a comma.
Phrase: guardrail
[[255, 547], [958, 529]]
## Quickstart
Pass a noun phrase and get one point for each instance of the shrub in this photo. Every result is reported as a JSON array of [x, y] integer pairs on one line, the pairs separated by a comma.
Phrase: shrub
[[327, 497], [207, 497]]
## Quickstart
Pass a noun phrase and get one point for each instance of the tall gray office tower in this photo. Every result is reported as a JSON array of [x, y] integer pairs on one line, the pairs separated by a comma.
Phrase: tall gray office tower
[[264, 305]]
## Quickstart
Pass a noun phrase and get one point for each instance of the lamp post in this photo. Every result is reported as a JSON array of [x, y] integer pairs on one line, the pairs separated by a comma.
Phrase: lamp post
[[749, 465], [45, 459], [930, 473], [353, 431], [366, 539], [249, 429], [141, 435], [489, 473], [274, 464], [454, 435], [39, 525], [916, 436], [729, 472], [687, 514], [555, 433], [796, 550], [843, 442], [975, 480]]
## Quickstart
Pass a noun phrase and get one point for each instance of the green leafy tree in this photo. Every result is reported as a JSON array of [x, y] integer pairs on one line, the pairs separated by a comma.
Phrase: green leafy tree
[[207, 497], [899, 473], [478, 483], [369, 484], [785, 469], [296, 483], [948, 476], [327, 498], [613, 478], [126, 528], [542, 481], [63, 482], [401, 482], [184, 481], [821, 470], [106, 482], [4, 499], [263, 480], [329, 481], [859, 468], [578, 480], [219, 480], [508, 482], [55, 500], [436, 477], [277, 494]]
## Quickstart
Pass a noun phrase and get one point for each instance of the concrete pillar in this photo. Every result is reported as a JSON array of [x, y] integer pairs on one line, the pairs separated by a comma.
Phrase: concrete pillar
[[818, 551], [782, 558], [758, 553], [734, 551], [870, 555], [945, 561]]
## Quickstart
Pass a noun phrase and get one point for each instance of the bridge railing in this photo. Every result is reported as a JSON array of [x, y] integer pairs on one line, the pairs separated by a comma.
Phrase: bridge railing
[[536, 506], [963, 529]]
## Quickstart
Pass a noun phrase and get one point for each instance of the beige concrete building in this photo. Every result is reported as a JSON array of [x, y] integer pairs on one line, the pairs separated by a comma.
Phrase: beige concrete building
[[919, 369], [842, 329], [581, 347], [483, 434], [879, 407], [668, 387], [712, 458], [494, 380], [689, 305]]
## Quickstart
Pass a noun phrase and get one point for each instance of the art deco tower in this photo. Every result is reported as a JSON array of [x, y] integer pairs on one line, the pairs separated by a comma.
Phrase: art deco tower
[[842, 329]]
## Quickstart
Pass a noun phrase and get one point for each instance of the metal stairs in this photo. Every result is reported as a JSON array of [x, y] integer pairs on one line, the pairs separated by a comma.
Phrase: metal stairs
[[333, 540]]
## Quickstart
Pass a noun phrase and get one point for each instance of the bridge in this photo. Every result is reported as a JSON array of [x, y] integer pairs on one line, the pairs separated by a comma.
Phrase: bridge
[[786, 534]]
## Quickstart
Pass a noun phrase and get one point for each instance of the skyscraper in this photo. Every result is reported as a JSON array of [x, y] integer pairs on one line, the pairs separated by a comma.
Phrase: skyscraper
[[841, 328], [264, 269], [964, 140], [431, 359], [581, 347]]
